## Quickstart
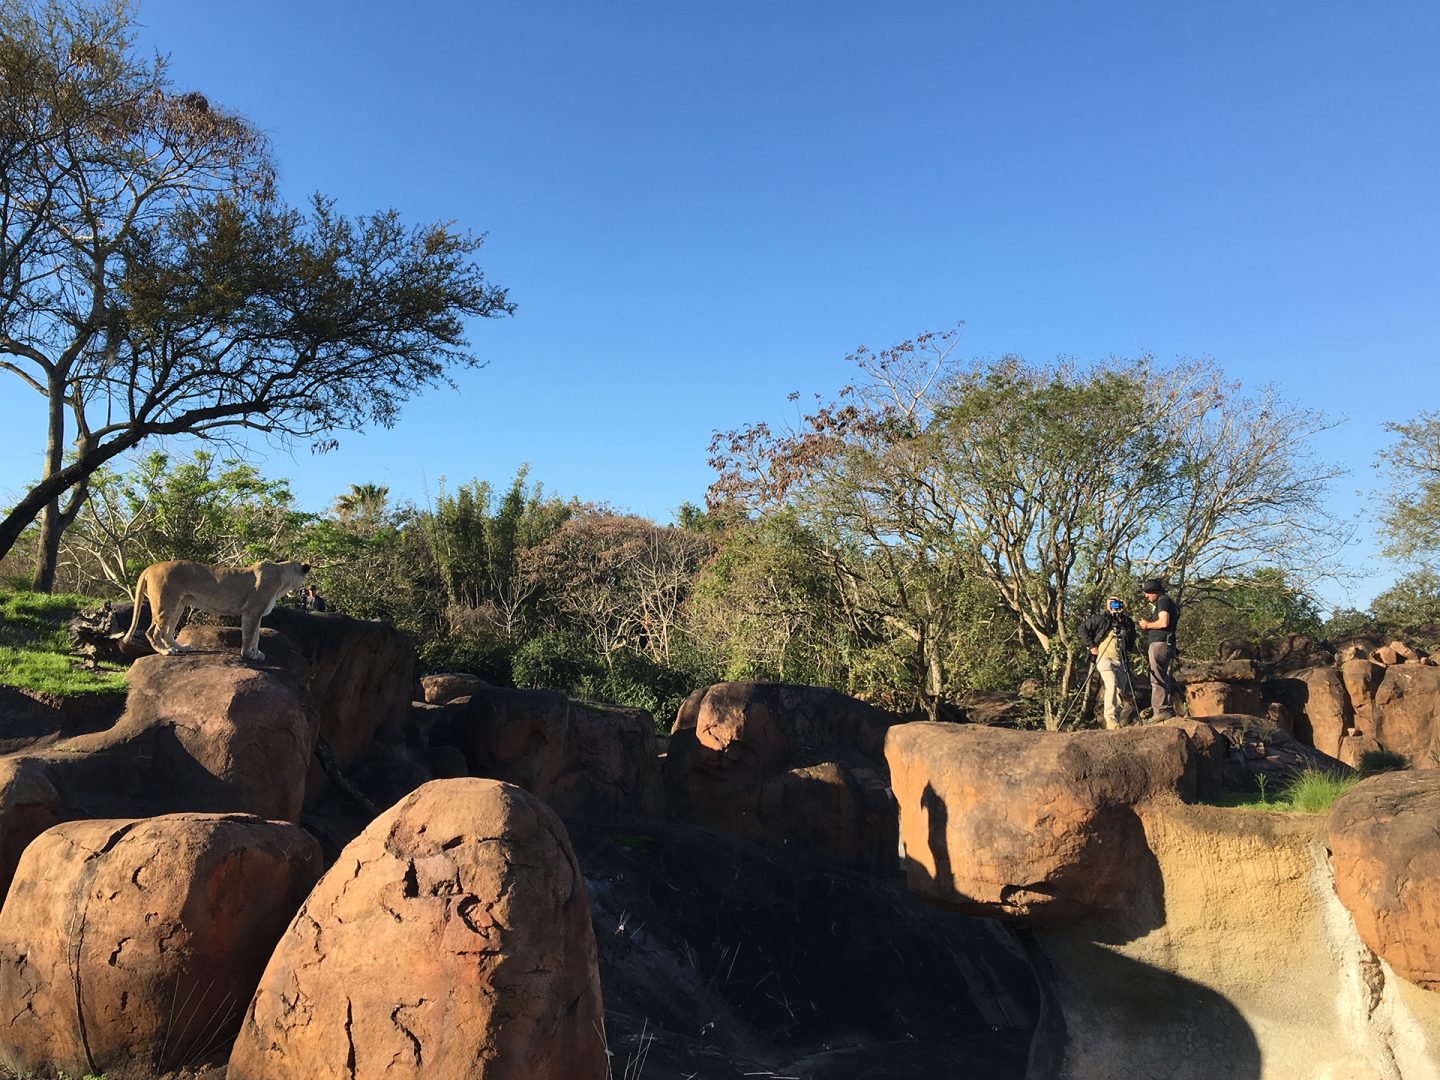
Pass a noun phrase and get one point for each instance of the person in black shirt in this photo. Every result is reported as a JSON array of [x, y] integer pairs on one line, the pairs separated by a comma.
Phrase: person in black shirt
[[1160, 632], [1110, 635]]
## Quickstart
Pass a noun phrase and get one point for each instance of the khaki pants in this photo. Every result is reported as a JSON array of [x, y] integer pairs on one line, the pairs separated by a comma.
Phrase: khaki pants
[[1162, 690], [1112, 672]]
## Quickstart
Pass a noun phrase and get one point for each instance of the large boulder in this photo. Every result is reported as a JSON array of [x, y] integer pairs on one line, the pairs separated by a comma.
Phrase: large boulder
[[131, 947], [451, 941], [583, 759], [444, 687], [362, 677], [611, 770], [29, 804], [1386, 853], [1223, 687], [797, 766], [1360, 678], [1039, 826], [1257, 753], [518, 736], [201, 732], [1407, 713], [1234, 959], [1325, 707]]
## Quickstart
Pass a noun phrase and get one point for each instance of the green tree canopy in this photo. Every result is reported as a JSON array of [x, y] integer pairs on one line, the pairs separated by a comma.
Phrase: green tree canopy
[[1048, 483], [151, 283], [1410, 521]]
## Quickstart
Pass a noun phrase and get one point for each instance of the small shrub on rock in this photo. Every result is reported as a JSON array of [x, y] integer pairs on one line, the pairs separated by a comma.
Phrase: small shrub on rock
[[1378, 761]]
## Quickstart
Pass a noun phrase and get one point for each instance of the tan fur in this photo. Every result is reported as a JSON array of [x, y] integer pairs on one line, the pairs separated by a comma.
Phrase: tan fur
[[249, 592]]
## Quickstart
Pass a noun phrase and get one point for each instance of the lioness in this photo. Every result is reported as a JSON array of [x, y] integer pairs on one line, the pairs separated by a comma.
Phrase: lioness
[[249, 592]]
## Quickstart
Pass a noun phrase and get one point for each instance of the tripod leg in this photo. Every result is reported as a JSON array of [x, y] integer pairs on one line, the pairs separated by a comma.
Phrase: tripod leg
[[1130, 684], [1084, 693]]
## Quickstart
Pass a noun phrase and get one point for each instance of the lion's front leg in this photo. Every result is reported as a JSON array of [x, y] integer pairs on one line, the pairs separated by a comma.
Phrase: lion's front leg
[[250, 634]]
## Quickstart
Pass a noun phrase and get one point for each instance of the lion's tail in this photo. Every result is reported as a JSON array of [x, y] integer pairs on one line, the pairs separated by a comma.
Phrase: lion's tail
[[129, 635]]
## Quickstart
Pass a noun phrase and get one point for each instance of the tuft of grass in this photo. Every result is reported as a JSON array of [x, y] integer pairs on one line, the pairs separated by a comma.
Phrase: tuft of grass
[[35, 646], [1314, 790], [1311, 792]]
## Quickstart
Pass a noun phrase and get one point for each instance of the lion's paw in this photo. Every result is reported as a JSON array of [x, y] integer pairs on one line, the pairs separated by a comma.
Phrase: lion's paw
[[254, 654]]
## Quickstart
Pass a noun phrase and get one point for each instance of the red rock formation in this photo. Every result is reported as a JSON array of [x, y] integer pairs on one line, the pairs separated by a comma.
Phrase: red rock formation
[[800, 766], [1225, 687], [1326, 707], [1407, 713], [1036, 825], [446, 687], [611, 770], [452, 941], [201, 732], [362, 677], [581, 759], [1386, 856], [133, 946]]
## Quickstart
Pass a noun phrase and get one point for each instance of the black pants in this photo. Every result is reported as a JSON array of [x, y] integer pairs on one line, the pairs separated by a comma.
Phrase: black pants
[[1162, 689]]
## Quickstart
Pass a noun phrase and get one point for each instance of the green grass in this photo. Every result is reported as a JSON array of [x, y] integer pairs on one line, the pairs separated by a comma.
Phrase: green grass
[[1311, 792], [35, 647]]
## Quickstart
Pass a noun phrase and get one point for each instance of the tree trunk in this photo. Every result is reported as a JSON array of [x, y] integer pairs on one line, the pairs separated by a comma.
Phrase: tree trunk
[[53, 523], [50, 519], [56, 484]]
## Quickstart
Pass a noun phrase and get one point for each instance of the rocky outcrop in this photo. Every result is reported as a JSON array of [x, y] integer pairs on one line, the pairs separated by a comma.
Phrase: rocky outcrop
[[611, 770], [362, 676], [1323, 702], [1169, 939], [1255, 752], [201, 733], [131, 947], [1406, 708], [591, 760], [796, 766], [1360, 678], [1224, 687], [445, 687], [1235, 959], [451, 941], [29, 804], [1034, 825], [1386, 853]]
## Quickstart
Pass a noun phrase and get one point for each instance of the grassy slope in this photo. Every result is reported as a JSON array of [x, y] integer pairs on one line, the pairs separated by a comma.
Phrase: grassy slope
[[35, 647]]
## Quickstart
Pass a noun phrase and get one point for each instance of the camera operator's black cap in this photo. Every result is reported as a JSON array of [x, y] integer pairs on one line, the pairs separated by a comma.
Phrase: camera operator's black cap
[[1154, 585]]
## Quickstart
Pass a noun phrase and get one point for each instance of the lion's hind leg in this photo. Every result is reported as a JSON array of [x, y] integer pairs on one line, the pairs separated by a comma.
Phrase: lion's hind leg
[[162, 627]]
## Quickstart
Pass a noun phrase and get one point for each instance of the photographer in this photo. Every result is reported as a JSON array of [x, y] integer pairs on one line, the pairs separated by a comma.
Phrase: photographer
[[1109, 634], [1160, 631]]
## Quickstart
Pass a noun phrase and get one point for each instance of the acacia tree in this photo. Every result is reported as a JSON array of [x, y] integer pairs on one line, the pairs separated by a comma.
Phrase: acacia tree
[[1411, 519], [1048, 483], [152, 284]]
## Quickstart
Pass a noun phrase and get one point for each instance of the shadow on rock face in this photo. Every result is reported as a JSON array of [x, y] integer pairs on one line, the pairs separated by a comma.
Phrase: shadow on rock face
[[1106, 1015], [724, 958]]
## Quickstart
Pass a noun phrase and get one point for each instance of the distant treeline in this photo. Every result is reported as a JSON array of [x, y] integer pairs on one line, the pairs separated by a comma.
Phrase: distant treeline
[[934, 531]]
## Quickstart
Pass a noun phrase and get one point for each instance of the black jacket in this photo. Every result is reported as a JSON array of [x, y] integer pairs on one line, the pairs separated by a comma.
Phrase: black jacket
[[1094, 629]]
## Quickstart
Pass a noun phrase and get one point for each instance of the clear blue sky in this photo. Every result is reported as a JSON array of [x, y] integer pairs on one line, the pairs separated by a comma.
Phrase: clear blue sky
[[700, 207]]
